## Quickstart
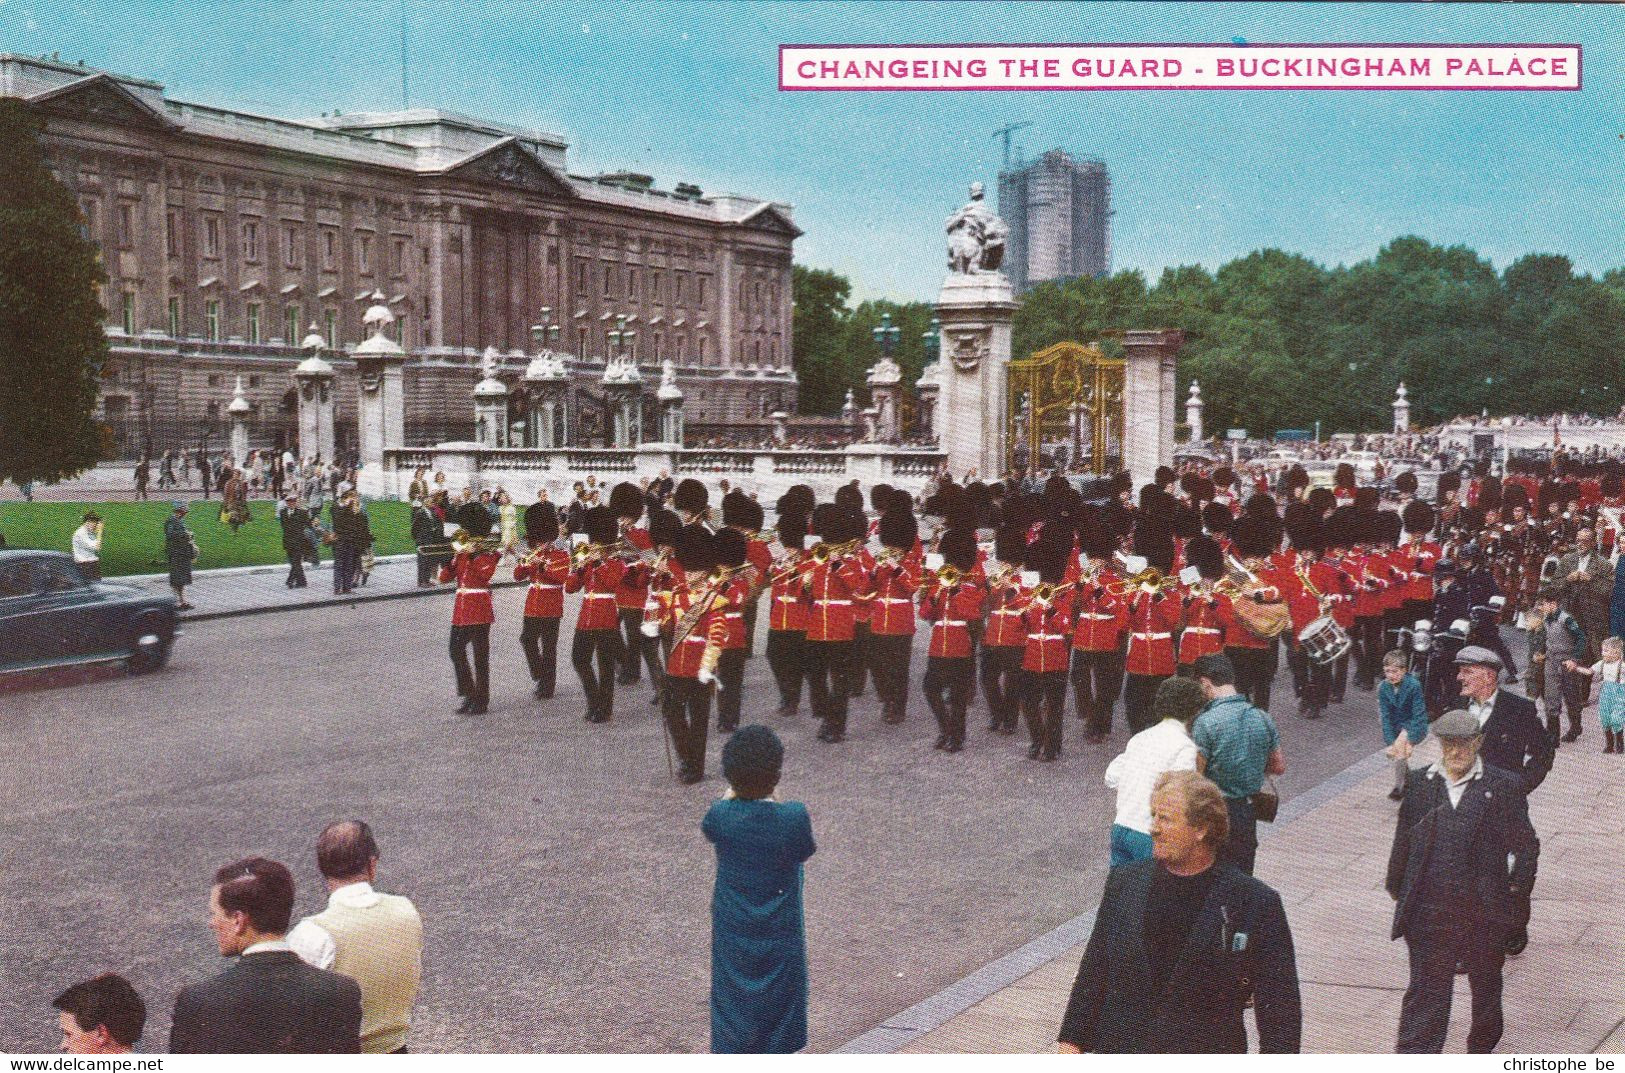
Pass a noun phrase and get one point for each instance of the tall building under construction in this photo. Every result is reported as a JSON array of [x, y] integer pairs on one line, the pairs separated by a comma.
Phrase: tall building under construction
[[1059, 211]]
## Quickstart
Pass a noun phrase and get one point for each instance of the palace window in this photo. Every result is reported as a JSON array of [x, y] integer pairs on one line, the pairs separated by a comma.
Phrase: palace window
[[399, 266], [172, 233], [363, 254], [214, 379], [87, 229], [682, 285], [330, 249], [127, 313], [251, 241], [211, 236], [581, 277], [701, 300], [174, 318], [609, 281], [211, 319], [659, 351], [126, 225], [581, 342], [657, 281], [253, 381], [290, 245], [705, 350], [330, 319], [632, 284], [253, 322], [290, 325]]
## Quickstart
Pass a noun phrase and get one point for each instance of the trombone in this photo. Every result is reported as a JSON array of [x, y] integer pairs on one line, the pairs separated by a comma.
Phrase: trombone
[[823, 553], [460, 542], [946, 576], [1148, 580]]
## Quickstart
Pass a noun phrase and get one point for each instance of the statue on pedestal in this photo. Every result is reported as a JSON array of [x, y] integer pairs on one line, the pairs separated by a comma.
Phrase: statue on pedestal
[[976, 237]]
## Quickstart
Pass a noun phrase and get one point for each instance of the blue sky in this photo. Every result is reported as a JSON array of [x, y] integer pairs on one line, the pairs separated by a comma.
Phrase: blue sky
[[688, 92]]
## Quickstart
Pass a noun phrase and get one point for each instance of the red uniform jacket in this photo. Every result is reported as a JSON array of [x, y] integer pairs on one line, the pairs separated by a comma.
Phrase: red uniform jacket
[[950, 612], [1334, 578], [1368, 583], [832, 586], [862, 605], [598, 583], [1204, 630], [711, 632], [1102, 617], [633, 589], [1421, 557], [1049, 631], [1005, 626], [895, 586], [547, 575], [1151, 624], [791, 609], [736, 594], [1235, 634], [472, 571]]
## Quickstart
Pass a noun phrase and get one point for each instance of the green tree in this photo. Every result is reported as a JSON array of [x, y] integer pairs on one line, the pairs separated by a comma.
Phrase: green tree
[[52, 345], [817, 328]]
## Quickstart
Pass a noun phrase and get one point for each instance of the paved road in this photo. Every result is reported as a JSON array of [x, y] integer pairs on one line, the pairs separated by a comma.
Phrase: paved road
[[562, 876]]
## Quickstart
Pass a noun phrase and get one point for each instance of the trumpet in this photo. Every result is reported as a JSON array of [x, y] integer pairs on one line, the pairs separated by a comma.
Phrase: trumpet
[[823, 553], [946, 576], [582, 554], [461, 542], [1236, 577], [1046, 592], [1149, 580]]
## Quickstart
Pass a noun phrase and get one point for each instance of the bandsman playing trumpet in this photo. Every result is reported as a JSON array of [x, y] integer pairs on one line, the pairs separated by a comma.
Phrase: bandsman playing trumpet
[[596, 574], [950, 598], [891, 616], [472, 613], [547, 568], [789, 608], [1097, 640], [1257, 535], [1005, 636], [1153, 616], [1203, 632], [736, 577], [1047, 617], [832, 582], [694, 608], [626, 500]]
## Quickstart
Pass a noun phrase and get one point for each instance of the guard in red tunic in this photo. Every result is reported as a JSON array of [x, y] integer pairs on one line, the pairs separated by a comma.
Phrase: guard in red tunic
[[596, 574], [1004, 635], [1203, 634], [694, 607], [1047, 618], [950, 598], [1336, 577], [832, 583], [1256, 537], [849, 498], [626, 500], [737, 580], [1421, 554], [891, 615], [1153, 616], [1097, 639], [789, 609], [472, 614], [547, 568], [744, 515]]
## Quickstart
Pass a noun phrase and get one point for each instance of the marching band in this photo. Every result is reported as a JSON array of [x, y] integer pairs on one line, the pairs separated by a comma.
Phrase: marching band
[[1035, 591]]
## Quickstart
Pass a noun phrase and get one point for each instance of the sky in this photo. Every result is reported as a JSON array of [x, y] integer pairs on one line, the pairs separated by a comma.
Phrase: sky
[[688, 92]]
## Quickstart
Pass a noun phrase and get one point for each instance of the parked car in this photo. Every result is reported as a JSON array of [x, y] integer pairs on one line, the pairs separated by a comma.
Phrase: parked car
[[50, 616]]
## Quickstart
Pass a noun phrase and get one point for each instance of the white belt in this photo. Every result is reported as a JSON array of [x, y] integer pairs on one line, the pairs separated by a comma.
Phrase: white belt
[[893, 600], [1015, 611], [544, 585], [1152, 636], [788, 599], [1097, 616], [1046, 636], [692, 640], [833, 603], [598, 596], [1199, 629], [950, 622], [733, 614], [472, 592]]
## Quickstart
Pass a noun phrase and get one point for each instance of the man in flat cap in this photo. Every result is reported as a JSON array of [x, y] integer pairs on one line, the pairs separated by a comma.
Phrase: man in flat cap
[[1514, 741], [1463, 858]]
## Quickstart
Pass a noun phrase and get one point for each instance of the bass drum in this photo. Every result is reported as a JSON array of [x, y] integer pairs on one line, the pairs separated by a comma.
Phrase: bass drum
[[1324, 641]]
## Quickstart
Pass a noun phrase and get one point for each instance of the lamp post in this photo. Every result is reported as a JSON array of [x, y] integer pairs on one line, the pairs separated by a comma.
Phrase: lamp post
[[887, 334], [929, 384]]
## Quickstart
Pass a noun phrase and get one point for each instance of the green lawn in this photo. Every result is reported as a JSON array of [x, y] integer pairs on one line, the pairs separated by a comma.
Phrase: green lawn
[[133, 536]]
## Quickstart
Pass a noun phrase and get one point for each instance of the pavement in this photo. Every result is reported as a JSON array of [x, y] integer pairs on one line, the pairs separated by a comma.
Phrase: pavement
[[1327, 855]]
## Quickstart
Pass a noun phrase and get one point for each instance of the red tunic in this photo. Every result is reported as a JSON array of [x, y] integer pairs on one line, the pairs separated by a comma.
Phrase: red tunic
[[547, 574], [832, 586], [598, 583], [1005, 626], [950, 613], [1421, 557], [1237, 635], [1151, 624], [861, 603], [893, 603], [1204, 630], [736, 594], [472, 571], [1048, 634], [688, 654], [633, 589], [791, 609], [1102, 617]]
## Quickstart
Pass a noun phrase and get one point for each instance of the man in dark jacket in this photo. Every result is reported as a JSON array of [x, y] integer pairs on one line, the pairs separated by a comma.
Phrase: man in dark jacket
[[268, 1001], [1463, 859], [427, 532], [351, 537], [1181, 941], [295, 521]]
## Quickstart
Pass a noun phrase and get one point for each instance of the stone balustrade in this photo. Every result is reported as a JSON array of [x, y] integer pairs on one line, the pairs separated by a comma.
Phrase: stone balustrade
[[768, 473]]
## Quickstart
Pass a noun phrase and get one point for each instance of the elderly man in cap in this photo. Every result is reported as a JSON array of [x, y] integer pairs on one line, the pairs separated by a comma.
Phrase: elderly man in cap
[[296, 522], [1462, 862], [1514, 741]]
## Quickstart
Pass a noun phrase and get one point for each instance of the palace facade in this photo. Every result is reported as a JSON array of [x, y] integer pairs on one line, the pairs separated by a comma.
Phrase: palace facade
[[228, 238]]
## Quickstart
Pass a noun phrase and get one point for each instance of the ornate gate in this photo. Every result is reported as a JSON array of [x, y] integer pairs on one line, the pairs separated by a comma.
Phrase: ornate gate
[[1066, 409]]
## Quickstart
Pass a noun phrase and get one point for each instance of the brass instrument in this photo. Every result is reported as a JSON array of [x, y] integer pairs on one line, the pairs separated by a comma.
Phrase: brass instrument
[[460, 542], [582, 554], [1045, 593], [786, 568], [823, 553], [947, 576], [1149, 580]]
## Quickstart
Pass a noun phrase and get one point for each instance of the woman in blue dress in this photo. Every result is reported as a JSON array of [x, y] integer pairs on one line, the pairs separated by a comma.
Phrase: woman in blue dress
[[758, 936]]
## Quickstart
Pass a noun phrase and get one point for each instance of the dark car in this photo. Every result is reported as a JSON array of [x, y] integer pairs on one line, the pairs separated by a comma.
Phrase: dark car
[[50, 616]]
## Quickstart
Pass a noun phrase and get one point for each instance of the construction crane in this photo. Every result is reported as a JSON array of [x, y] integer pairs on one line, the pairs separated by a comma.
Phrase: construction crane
[[1005, 132]]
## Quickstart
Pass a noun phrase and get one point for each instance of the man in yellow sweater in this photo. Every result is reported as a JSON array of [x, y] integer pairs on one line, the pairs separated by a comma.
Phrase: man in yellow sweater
[[375, 939]]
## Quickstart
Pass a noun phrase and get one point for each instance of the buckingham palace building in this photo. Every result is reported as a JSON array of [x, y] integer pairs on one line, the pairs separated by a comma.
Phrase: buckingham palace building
[[229, 238]]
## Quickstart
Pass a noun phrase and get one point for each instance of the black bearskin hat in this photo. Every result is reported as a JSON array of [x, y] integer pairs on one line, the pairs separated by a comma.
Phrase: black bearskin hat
[[696, 548], [1343, 475], [474, 519], [1405, 483], [663, 528], [792, 531], [541, 523], [798, 500], [1216, 518], [1254, 536], [1262, 505], [959, 549], [1322, 501], [1449, 482], [1516, 495], [602, 526], [880, 497], [848, 497], [898, 529], [736, 509], [1204, 553], [729, 547], [829, 522], [626, 500], [1418, 517], [691, 496], [1367, 499]]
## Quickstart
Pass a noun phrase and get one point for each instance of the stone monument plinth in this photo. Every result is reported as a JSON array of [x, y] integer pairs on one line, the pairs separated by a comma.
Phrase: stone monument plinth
[[1149, 405], [381, 405], [314, 380], [971, 411]]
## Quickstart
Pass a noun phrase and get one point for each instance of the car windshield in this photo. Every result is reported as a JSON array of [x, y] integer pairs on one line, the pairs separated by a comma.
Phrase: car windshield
[[58, 575], [16, 579]]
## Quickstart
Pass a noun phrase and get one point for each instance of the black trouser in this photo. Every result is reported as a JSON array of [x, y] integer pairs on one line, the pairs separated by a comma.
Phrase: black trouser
[[953, 675], [890, 657], [1001, 683], [1097, 679], [730, 687], [605, 647], [751, 606], [296, 566], [639, 651], [1565, 690], [1438, 942], [346, 565], [785, 659], [426, 568], [475, 685], [1241, 848], [686, 705], [858, 672], [1317, 678], [827, 666], [1339, 678], [1368, 650], [1298, 663], [542, 657], [1042, 696], [1138, 693], [1255, 672]]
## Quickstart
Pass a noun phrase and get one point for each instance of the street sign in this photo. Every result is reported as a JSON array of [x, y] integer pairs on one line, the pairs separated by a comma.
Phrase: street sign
[[1291, 435], [1235, 434]]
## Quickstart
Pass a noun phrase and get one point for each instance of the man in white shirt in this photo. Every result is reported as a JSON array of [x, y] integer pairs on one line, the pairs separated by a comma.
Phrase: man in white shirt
[[374, 938], [1166, 745], [87, 547]]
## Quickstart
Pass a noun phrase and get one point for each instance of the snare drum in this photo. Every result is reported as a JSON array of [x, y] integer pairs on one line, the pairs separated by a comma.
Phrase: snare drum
[[1324, 641]]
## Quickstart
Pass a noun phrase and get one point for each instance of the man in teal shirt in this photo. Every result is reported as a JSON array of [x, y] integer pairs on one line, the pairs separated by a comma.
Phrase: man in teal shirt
[[1237, 745]]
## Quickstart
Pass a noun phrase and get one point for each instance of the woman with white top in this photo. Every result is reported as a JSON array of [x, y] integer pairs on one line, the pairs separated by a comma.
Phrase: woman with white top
[[1163, 746], [87, 547]]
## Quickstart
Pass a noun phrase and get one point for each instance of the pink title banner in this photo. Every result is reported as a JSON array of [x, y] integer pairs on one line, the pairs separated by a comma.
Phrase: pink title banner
[[1240, 66]]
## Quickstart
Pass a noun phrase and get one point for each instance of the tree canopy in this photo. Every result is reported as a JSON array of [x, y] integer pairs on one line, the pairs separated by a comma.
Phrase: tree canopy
[[52, 344], [1279, 341]]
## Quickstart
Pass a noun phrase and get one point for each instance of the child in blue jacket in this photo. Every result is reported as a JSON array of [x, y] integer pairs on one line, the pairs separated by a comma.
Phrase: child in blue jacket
[[1404, 715]]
